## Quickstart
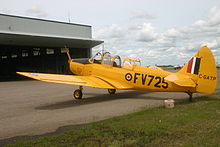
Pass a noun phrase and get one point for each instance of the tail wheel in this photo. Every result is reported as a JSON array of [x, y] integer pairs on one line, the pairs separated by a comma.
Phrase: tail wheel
[[111, 91], [77, 94]]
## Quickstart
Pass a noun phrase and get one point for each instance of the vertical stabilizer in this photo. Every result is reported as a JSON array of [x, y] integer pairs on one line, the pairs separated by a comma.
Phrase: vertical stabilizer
[[202, 69]]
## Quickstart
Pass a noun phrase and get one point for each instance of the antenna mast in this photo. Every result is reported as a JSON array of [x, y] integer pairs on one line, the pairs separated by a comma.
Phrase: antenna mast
[[103, 48], [69, 16]]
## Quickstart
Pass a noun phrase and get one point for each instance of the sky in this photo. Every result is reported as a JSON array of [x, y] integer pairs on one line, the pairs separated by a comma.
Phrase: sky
[[155, 31]]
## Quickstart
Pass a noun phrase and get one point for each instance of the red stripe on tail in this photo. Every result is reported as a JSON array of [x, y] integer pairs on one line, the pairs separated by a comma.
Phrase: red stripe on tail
[[189, 68]]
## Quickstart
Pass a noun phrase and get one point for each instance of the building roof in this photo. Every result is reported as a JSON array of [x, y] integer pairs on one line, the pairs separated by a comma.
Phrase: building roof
[[46, 41], [46, 20], [23, 31]]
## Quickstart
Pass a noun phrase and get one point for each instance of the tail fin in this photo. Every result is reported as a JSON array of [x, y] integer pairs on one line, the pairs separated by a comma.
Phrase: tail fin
[[202, 69]]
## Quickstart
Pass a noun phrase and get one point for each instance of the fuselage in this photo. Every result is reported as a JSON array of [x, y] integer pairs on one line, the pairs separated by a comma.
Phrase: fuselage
[[138, 77], [199, 74]]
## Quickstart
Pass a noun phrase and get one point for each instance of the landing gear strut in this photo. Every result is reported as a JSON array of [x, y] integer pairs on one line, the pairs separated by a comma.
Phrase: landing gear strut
[[190, 96], [78, 93], [111, 91]]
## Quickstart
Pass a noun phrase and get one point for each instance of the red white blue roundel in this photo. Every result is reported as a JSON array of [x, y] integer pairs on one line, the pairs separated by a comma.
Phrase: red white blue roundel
[[128, 77]]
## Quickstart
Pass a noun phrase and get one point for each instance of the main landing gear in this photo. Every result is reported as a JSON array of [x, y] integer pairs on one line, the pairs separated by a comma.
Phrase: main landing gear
[[190, 96], [111, 91], [78, 93]]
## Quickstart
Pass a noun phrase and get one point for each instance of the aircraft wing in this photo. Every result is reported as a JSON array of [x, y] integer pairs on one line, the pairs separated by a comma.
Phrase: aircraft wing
[[181, 80], [91, 81]]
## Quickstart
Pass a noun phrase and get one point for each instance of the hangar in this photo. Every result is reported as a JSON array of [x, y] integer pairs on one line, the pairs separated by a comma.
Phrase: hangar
[[37, 45]]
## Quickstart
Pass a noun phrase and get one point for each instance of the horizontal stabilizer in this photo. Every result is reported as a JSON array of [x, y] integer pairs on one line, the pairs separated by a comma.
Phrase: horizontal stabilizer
[[181, 80]]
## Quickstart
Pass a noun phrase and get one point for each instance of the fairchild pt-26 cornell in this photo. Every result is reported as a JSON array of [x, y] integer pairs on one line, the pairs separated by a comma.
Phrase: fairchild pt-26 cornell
[[105, 71]]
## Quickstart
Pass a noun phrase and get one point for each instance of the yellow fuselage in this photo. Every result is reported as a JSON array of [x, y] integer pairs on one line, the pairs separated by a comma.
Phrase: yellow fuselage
[[137, 77]]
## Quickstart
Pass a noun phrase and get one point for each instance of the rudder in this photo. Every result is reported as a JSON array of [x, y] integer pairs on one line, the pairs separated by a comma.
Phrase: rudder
[[202, 68]]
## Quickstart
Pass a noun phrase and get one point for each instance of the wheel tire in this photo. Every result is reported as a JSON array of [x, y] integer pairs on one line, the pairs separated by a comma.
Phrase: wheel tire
[[111, 91], [77, 94]]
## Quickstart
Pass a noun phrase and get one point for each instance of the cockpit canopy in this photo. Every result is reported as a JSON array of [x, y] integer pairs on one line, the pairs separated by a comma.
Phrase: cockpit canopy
[[97, 58], [115, 61], [129, 63], [106, 59]]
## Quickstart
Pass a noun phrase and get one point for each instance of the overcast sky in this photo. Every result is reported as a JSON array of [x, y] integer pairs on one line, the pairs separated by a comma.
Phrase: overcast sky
[[155, 31]]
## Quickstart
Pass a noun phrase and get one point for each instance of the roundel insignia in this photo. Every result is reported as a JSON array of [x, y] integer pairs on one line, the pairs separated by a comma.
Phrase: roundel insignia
[[128, 77]]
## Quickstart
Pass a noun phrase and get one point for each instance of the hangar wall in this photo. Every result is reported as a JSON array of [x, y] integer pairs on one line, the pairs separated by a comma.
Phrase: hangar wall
[[23, 25], [36, 45]]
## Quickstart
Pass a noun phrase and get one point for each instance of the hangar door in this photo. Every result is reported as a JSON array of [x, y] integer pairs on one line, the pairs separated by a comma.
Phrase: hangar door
[[36, 59]]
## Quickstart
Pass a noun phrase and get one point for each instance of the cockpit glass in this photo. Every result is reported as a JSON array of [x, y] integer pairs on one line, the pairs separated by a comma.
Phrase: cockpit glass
[[117, 61], [130, 62], [107, 54], [97, 58], [107, 60]]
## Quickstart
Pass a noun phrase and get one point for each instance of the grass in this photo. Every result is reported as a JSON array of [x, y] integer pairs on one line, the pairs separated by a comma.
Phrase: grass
[[168, 68], [187, 125]]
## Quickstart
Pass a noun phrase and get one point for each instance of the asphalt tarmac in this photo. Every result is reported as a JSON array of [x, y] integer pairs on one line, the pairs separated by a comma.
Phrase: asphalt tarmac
[[34, 107]]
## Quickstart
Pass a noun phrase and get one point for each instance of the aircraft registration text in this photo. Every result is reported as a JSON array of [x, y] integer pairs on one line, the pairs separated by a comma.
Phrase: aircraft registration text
[[147, 80]]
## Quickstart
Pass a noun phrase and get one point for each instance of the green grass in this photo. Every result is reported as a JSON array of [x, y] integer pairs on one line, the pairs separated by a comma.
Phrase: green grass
[[195, 124], [168, 68]]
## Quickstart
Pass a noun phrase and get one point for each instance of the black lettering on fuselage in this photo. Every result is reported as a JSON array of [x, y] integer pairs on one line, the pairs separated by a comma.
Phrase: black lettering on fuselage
[[135, 76], [151, 79], [158, 82], [144, 77], [148, 80]]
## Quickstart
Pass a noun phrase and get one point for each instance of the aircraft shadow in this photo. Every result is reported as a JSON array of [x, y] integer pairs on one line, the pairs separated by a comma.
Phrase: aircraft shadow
[[98, 98]]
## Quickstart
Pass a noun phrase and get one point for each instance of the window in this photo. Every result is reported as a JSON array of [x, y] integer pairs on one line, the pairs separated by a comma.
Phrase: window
[[36, 51], [14, 56], [4, 57], [24, 53], [107, 60], [64, 50], [117, 61], [50, 51]]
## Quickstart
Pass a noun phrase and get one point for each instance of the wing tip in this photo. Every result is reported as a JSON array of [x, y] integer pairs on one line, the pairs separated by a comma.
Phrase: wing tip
[[20, 73]]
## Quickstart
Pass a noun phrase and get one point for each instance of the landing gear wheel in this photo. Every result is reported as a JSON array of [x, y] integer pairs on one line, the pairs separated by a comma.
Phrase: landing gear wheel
[[111, 91], [77, 94], [190, 96]]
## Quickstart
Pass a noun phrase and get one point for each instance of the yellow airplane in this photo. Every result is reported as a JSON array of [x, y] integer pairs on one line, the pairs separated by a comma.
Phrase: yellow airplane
[[105, 71]]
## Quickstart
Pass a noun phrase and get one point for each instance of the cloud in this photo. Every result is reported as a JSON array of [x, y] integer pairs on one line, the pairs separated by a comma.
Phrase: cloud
[[6, 11], [214, 16], [172, 46], [146, 33], [112, 31], [141, 15], [199, 23], [173, 33], [36, 11]]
